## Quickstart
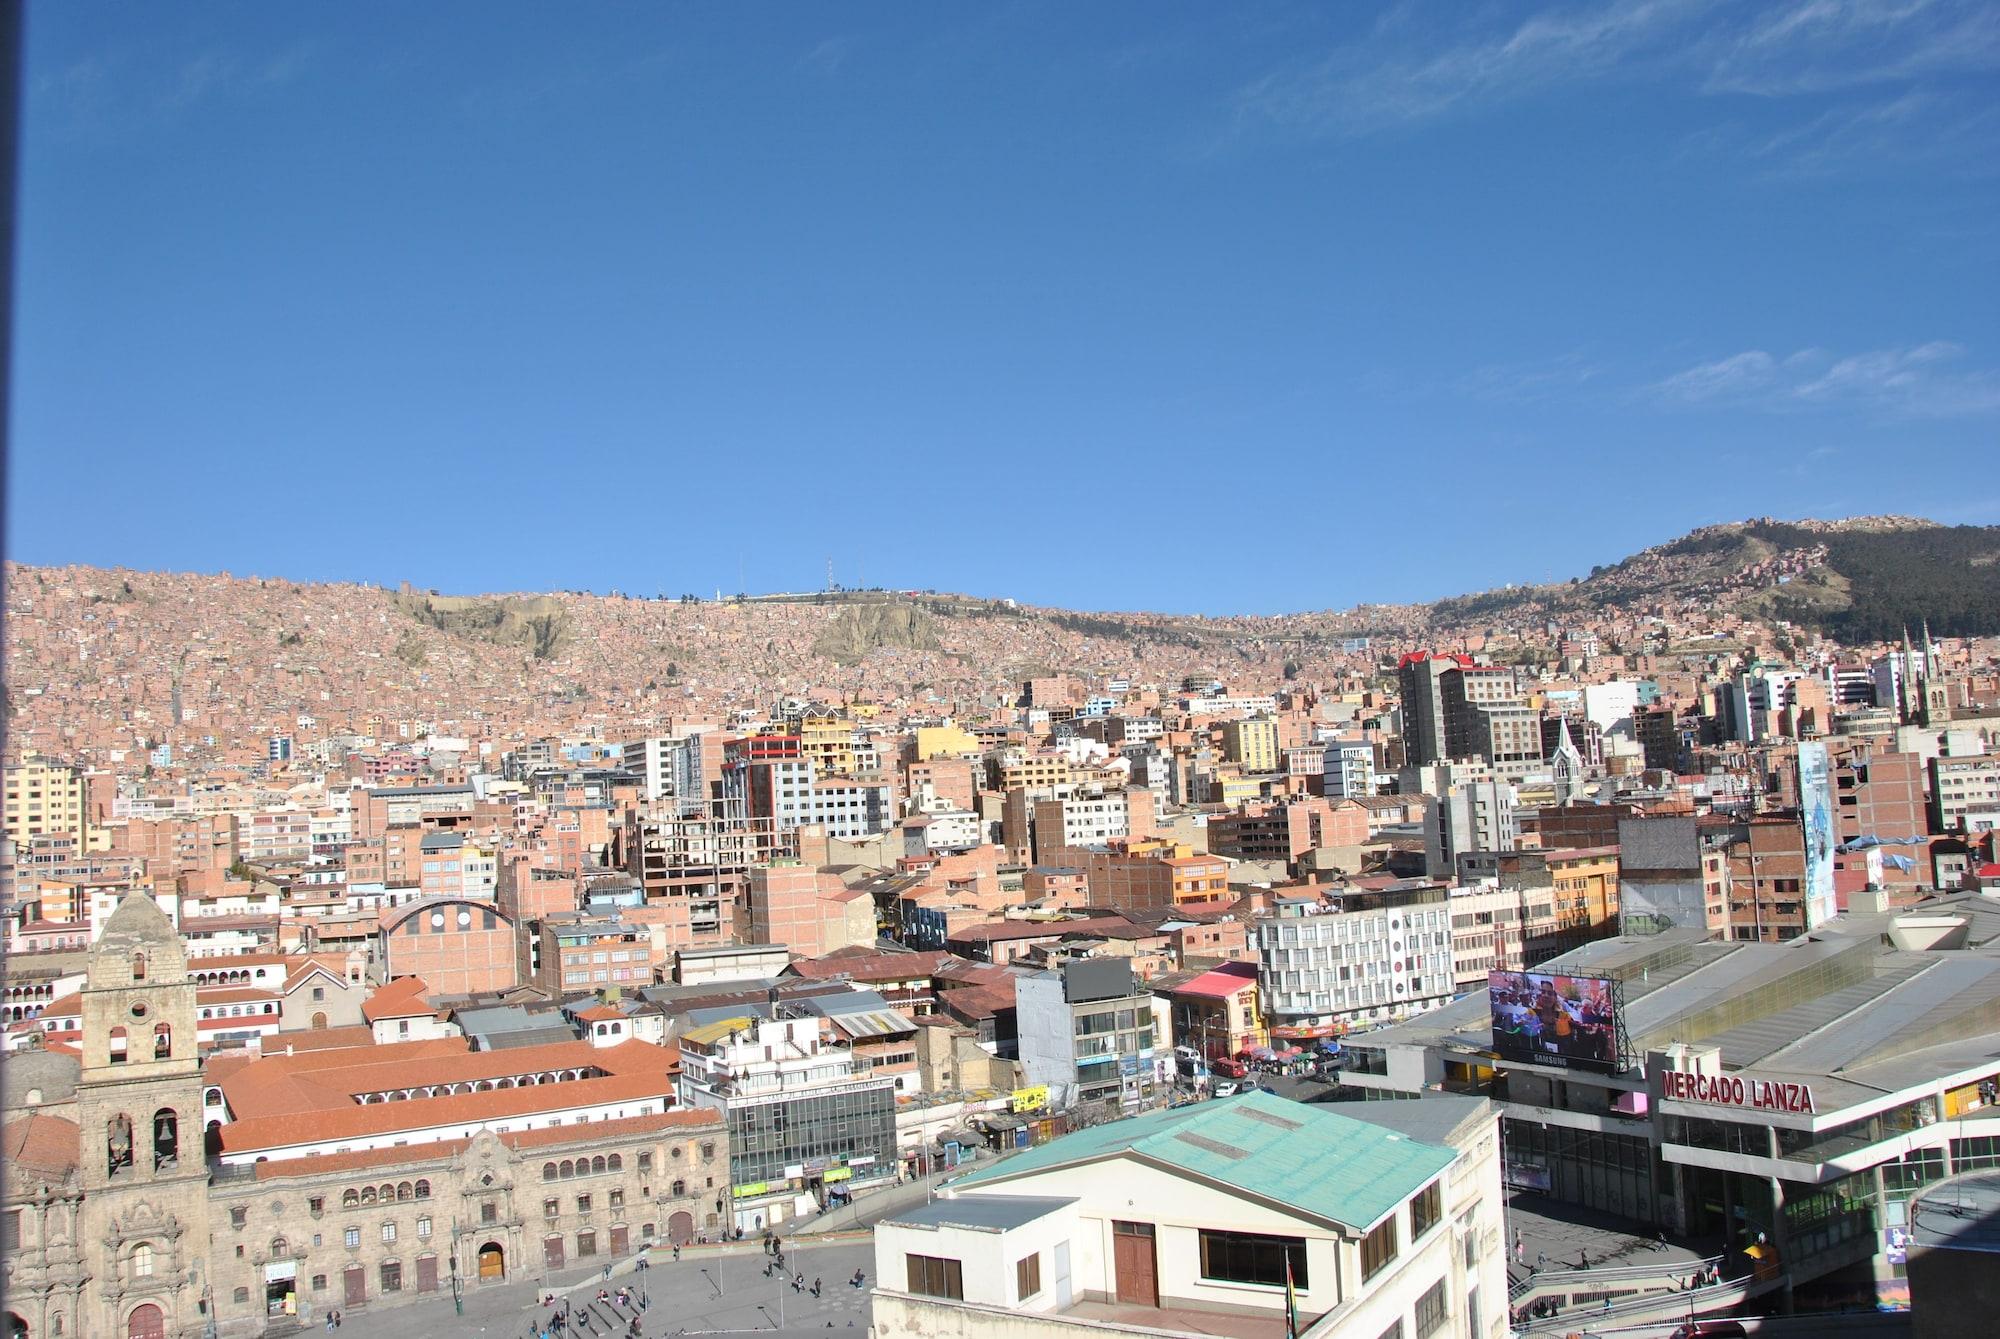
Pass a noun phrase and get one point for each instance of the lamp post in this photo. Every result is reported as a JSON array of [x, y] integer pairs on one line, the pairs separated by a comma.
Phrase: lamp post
[[457, 1285]]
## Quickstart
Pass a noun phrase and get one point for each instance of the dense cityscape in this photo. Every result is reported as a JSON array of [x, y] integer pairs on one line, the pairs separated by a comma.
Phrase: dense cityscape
[[1000, 671], [373, 949]]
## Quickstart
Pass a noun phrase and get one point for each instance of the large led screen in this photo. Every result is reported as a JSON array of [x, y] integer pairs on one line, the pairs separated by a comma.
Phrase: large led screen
[[1565, 1021]]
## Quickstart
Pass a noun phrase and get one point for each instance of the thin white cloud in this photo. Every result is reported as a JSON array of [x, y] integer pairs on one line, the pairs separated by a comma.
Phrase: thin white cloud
[[1361, 87], [1404, 71], [1724, 378], [1921, 381], [1814, 46], [1520, 383]]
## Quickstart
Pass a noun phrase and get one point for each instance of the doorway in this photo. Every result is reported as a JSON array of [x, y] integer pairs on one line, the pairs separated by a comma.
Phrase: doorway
[[492, 1263], [146, 1322], [1133, 1259]]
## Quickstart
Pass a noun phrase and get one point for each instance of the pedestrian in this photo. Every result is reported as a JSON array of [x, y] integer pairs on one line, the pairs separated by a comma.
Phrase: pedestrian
[[1541, 1261], [338, 1320], [1583, 1259], [1520, 1251], [677, 1250], [815, 1287], [329, 1322]]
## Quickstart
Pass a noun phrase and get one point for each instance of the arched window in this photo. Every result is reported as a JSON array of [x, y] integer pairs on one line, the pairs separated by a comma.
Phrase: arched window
[[117, 1041], [142, 1261], [163, 1041], [404, 1190], [279, 1248], [597, 1164], [548, 1171], [568, 1169], [349, 1198], [166, 1138], [680, 1188], [388, 1194], [423, 1190], [368, 1194], [138, 967], [616, 1163], [118, 1144]]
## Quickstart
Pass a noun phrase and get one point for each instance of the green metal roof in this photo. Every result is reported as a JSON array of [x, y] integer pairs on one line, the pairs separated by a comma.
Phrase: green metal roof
[[1318, 1162]]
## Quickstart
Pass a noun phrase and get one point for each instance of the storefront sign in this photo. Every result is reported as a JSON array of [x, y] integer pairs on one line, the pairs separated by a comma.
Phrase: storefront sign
[[754, 1188], [1735, 1090], [1031, 1099], [838, 1174]]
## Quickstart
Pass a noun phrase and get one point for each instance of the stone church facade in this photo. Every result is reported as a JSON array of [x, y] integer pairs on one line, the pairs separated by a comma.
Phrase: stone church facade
[[118, 1227]]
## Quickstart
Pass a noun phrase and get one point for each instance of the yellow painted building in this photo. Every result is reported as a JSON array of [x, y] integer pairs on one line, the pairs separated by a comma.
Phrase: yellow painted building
[[1251, 745], [44, 797], [945, 741]]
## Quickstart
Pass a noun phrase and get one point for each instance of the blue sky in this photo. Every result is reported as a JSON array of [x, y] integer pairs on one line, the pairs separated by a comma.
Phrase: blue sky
[[1210, 308]]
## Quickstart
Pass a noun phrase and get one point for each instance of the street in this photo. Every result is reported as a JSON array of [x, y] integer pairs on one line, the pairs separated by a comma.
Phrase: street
[[714, 1290]]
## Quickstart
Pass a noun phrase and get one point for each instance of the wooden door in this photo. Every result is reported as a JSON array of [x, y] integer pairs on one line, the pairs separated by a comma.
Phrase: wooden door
[[427, 1273], [552, 1252], [493, 1261], [621, 1241], [146, 1322], [356, 1283], [1132, 1260], [680, 1229]]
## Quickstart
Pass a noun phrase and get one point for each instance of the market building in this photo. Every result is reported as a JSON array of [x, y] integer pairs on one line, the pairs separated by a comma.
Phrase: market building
[[1799, 1094]]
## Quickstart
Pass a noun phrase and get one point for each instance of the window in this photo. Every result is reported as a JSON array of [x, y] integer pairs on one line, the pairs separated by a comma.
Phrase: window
[[319, 994], [316, 1205], [586, 1244], [423, 1228], [1430, 1311], [583, 1204], [1425, 1209], [1027, 1277], [352, 1237], [551, 1208], [548, 1171], [1378, 1248], [645, 1162], [1395, 1330], [142, 1261], [617, 1199], [392, 1276], [238, 1216], [489, 1212], [388, 1231], [242, 1295], [319, 1283], [1252, 1257], [935, 1277]]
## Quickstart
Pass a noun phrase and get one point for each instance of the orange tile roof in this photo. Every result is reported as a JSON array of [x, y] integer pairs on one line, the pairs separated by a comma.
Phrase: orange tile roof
[[312, 1095], [401, 998], [43, 1142], [554, 1136]]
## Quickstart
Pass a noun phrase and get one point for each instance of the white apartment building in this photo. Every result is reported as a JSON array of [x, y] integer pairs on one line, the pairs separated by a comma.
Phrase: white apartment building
[[1363, 957], [1350, 768], [1216, 1218]]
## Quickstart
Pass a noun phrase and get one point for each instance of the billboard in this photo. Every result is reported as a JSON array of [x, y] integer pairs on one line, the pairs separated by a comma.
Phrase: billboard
[[1567, 1021], [1816, 812]]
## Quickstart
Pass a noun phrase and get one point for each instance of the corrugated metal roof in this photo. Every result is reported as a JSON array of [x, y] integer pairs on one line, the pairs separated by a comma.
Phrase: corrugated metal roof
[[1320, 1163], [1762, 1038], [710, 1033], [1948, 985], [872, 1023]]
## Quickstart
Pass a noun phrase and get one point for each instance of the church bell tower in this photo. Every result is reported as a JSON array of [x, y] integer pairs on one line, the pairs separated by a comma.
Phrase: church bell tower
[[138, 1097]]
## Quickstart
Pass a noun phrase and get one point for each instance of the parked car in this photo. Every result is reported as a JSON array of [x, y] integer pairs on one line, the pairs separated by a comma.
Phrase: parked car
[[1229, 1069], [1225, 1088]]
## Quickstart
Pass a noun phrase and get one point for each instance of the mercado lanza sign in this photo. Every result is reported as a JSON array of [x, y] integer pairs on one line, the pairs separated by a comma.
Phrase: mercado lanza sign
[[1737, 1090]]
